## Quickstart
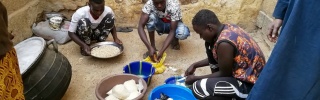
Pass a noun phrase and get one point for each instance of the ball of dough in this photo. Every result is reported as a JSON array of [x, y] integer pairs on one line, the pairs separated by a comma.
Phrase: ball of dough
[[133, 95], [120, 91], [131, 86], [111, 97], [110, 92]]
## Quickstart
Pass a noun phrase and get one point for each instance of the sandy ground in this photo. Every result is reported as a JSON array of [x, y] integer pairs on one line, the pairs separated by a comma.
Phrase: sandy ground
[[88, 71]]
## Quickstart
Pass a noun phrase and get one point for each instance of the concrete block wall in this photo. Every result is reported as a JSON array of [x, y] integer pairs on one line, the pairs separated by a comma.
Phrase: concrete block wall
[[23, 13], [264, 19]]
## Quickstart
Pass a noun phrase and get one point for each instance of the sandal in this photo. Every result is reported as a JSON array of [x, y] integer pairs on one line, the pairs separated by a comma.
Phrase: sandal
[[145, 55], [124, 29]]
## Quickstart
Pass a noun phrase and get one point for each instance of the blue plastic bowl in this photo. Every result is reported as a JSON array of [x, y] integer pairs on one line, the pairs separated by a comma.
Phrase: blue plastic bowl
[[175, 92], [173, 79], [140, 68]]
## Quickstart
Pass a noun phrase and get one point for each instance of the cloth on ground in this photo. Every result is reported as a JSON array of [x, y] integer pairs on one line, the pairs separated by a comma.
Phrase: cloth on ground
[[42, 29]]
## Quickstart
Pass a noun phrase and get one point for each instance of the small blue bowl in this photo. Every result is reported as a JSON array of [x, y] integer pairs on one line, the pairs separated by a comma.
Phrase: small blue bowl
[[175, 92], [140, 68], [173, 79]]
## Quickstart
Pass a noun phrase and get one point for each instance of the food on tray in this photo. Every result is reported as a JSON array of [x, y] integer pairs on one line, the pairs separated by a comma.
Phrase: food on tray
[[105, 51]]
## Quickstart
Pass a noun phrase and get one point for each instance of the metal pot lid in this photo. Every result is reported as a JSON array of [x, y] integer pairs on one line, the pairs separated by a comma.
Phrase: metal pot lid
[[28, 52]]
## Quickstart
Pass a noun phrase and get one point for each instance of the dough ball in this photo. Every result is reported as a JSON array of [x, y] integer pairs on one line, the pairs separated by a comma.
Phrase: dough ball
[[120, 91], [131, 86], [111, 97], [133, 95]]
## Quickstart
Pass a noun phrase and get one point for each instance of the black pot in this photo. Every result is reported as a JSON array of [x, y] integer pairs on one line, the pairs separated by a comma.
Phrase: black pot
[[49, 74]]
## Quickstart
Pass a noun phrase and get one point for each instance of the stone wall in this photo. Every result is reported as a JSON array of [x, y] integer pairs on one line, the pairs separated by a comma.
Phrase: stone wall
[[23, 13]]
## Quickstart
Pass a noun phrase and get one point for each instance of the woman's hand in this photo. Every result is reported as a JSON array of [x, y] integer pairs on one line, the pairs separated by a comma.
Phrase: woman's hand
[[274, 30]]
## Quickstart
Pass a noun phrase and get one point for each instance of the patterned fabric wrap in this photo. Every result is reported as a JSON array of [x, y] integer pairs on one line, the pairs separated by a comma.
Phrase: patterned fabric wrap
[[11, 87]]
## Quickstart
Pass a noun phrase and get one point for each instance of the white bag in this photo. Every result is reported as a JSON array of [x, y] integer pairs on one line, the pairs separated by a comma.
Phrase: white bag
[[42, 29]]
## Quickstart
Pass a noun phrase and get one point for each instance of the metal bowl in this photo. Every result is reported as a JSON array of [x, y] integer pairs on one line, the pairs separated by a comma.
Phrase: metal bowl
[[107, 43]]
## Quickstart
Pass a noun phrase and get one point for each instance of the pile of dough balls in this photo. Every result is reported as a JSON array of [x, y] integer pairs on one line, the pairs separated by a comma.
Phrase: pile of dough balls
[[126, 91]]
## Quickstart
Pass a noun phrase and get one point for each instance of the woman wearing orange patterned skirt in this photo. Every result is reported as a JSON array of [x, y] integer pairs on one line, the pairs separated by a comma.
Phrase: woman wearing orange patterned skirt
[[11, 87]]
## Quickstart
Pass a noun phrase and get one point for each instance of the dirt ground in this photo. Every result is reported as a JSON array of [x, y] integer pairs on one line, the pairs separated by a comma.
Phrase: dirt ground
[[88, 71]]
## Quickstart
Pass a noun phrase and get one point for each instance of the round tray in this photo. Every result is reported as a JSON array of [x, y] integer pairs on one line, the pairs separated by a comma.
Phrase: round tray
[[107, 43], [29, 51]]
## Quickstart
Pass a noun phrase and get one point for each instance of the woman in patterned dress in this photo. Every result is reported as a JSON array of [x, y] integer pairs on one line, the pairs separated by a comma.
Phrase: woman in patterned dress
[[11, 87]]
